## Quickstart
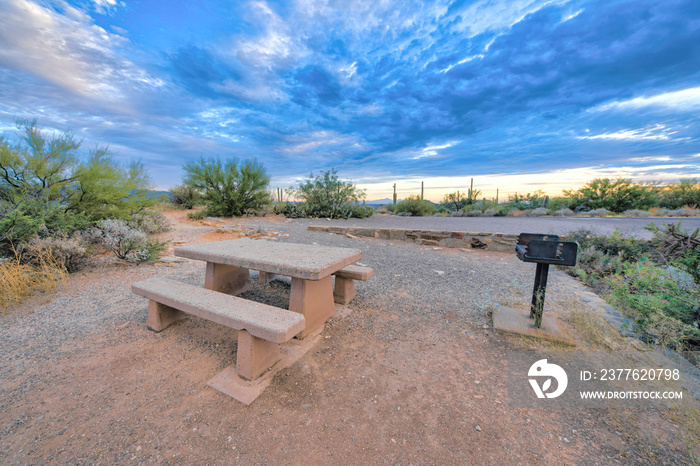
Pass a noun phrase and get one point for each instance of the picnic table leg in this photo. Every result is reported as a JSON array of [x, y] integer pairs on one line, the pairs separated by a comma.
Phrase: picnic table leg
[[161, 316], [344, 290], [266, 277], [255, 355], [227, 278], [313, 299]]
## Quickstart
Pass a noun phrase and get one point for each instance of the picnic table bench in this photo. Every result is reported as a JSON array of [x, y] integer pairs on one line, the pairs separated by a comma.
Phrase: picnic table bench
[[260, 327]]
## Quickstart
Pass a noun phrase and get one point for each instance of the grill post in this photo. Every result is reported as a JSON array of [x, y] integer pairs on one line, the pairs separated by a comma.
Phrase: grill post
[[538, 293]]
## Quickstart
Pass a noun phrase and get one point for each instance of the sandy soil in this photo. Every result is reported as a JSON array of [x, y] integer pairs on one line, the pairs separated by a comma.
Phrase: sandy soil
[[382, 386]]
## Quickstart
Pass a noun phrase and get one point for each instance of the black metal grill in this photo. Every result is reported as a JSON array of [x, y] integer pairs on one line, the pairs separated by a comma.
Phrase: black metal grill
[[543, 250]]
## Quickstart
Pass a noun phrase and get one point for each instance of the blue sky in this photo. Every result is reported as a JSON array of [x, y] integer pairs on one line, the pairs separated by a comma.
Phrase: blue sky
[[518, 94]]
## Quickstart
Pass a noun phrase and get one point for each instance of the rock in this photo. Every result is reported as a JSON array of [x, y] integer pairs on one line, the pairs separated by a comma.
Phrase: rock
[[478, 428]]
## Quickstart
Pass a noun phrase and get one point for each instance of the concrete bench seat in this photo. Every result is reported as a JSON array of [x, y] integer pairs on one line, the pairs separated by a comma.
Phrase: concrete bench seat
[[344, 290], [261, 327]]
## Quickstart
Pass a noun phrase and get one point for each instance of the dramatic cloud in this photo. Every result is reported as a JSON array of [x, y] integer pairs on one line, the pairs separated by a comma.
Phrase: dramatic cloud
[[380, 90]]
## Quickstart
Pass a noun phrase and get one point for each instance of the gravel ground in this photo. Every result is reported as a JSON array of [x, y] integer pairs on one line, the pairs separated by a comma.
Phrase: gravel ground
[[410, 376], [511, 225]]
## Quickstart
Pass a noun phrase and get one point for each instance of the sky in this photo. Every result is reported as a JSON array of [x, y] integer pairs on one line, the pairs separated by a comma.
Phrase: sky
[[519, 95]]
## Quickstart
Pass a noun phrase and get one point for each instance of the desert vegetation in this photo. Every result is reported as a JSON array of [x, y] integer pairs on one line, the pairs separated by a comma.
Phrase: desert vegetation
[[600, 197], [54, 205], [655, 283], [325, 195]]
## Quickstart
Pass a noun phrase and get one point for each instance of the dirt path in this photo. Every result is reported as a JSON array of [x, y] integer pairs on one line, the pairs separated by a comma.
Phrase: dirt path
[[83, 381]]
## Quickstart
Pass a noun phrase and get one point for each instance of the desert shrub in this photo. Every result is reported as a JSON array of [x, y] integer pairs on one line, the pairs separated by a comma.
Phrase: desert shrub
[[35, 214], [327, 196], [150, 222], [415, 206], [19, 280], [599, 213], [685, 193], [67, 253], [678, 247], [564, 213], [304, 210], [127, 243], [637, 213], [199, 215], [683, 212], [527, 201], [662, 212], [539, 212], [490, 212], [614, 195], [634, 276], [629, 248], [657, 304], [184, 197], [558, 203], [230, 188], [472, 213]]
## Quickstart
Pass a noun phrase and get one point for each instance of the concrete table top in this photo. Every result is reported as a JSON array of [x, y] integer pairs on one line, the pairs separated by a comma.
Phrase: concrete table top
[[309, 262]]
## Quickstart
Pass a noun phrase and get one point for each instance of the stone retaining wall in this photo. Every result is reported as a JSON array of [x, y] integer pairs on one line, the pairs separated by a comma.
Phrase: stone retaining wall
[[449, 239]]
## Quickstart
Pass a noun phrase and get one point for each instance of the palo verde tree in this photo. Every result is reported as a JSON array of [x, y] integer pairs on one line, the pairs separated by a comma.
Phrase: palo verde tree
[[326, 195], [229, 188], [46, 187]]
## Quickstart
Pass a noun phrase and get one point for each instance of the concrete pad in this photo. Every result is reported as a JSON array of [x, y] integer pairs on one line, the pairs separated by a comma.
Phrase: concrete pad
[[230, 383], [518, 322]]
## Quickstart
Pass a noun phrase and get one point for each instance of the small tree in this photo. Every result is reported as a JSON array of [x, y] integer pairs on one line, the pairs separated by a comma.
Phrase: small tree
[[45, 187], [230, 188], [326, 195], [685, 193], [454, 201]]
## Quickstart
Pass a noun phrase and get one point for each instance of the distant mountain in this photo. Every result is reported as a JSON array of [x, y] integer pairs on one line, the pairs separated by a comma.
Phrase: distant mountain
[[159, 194], [381, 202]]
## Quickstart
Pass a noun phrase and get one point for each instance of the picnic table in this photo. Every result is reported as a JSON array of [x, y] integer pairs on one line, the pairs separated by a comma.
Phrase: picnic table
[[309, 266]]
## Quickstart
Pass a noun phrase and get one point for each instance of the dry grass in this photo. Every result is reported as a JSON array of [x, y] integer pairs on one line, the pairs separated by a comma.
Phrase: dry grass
[[19, 281]]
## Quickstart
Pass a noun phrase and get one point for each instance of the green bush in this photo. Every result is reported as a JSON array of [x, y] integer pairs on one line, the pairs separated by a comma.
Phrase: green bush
[[46, 188], [416, 206], [36, 215], [328, 196], [634, 276], [629, 248], [614, 195], [304, 210], [199, 215], [230, 188], [657, 304], [685, 193]]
